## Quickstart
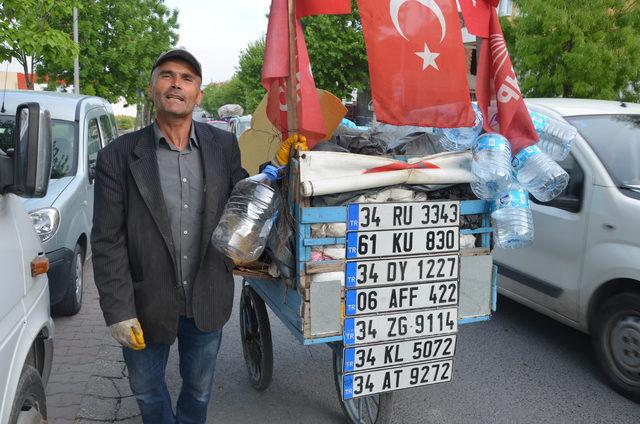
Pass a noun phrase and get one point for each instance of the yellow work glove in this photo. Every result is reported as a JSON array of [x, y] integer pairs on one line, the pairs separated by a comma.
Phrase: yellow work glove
[[297, 142], [129, 334]]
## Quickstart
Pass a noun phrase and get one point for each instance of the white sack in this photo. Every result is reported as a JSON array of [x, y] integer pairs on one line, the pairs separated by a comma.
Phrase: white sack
[[336, 172]]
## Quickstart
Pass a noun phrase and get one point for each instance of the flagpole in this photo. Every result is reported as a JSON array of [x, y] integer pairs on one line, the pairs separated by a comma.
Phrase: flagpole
[[292, 95]]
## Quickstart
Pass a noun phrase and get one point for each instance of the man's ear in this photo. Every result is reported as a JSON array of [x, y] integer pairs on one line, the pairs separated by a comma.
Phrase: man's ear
[[199, 98], [150, 91]]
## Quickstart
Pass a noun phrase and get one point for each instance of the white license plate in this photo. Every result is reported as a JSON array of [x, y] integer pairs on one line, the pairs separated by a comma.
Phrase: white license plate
[[406, 325], [368, 383], [360, 358], [362, 274], [390, 216], [397, 298], [363, 244]]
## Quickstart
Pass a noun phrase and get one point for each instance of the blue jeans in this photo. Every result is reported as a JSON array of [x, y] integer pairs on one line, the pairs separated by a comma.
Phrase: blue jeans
[[198, 351]]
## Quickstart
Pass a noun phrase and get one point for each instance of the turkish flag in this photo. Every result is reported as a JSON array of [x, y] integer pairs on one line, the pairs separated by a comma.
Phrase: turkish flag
[[497, 88], [416, 62], [275, 69], [323, 7], [477, 14]]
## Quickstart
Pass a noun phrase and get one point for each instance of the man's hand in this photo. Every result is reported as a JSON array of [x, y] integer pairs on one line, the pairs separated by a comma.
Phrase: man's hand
[[297, 142], [129, 334]]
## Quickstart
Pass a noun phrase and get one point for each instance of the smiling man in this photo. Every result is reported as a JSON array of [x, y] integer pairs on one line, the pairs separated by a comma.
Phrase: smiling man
[[159, 193]]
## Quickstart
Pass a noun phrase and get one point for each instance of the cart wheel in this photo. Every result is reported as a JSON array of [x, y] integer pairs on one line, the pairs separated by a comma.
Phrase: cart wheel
[[373, 409], [256, 338]]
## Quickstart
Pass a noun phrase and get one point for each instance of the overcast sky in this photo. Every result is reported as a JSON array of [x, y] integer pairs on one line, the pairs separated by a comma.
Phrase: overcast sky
[[216, 31]]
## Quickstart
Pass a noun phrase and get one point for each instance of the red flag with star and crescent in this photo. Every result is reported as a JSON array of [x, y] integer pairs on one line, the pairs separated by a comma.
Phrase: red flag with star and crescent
[[416, 62], [497, 89], [275, 69]]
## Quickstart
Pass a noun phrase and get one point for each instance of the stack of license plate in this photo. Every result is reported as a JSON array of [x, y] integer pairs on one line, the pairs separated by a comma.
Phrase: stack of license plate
[[401, 300]]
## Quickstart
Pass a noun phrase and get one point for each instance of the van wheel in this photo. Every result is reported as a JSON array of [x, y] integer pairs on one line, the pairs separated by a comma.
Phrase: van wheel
[[72, 300], [617, 342], [29, 405]]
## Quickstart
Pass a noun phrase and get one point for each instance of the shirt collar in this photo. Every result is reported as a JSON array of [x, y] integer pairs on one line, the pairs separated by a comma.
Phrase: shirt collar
[[158, 135]]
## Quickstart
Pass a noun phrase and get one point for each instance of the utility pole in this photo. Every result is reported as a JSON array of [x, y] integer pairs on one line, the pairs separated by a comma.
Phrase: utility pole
[[76, 62]]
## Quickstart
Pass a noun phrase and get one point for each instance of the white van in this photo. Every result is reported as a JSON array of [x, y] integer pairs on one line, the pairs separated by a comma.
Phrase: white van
[[26, 328]]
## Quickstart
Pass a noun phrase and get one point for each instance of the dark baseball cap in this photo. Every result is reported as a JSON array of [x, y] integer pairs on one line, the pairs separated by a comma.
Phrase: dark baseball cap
[[179, 54]]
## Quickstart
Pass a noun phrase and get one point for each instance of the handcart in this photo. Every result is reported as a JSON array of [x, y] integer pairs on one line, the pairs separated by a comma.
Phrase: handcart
[[390, 310]]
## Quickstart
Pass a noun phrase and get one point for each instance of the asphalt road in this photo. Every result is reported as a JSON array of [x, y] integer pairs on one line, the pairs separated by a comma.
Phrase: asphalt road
[[520, 367]]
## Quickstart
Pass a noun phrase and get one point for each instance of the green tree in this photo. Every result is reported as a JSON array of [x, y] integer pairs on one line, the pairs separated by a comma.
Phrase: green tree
[[125, 122], [119, 42], [218, 94], [249, 74], [337, 51], [28, 33], [576, 48]]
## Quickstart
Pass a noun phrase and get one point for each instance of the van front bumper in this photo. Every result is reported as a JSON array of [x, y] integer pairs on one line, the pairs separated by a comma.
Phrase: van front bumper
[[59, 270]]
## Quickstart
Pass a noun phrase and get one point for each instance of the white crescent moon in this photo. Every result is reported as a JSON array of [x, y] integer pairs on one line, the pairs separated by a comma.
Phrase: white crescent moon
[[394, 9]]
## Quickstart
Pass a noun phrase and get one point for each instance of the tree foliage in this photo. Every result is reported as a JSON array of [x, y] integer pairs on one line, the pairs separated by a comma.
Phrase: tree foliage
[[337, 52], [29, 33], [576, 48], [119, 42], [221, 93]]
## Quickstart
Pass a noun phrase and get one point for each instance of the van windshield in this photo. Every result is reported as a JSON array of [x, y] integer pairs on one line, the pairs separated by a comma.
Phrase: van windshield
[[64, 149], [616, 141]]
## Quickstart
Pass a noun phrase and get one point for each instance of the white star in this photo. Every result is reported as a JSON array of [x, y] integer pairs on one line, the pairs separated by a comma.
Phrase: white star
[[428, 58], [475, 3]]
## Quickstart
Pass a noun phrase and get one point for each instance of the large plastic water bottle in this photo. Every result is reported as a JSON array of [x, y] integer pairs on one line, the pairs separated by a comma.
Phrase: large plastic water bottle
[[456, 139], [539, 174], [248, 217], [556, 137], [512, 220], [491, 166]]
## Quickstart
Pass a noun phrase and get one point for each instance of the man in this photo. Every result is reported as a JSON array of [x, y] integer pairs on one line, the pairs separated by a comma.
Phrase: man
[[159, 193]]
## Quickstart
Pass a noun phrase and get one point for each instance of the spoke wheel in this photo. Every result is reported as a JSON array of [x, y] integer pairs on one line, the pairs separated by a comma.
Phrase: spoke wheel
[[256, 338], [373, 409]]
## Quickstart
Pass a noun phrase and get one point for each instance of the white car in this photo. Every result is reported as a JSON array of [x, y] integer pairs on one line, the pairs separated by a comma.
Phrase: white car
[[584, 266], [26, 327]]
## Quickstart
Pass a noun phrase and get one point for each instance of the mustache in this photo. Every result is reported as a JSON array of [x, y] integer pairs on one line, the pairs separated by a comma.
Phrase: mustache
[[174, 93]]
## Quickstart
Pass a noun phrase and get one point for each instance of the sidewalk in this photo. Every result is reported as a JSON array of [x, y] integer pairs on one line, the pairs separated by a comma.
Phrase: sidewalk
[[88, 380]]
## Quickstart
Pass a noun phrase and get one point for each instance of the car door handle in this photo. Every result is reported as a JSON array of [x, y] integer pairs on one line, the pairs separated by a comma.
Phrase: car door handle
[[609, 226]]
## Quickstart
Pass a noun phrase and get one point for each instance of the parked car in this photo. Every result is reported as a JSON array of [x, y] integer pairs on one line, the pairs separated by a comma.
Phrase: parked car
[[81, 126], [239, 124], [26, 327], [584, 266], [223, 125]]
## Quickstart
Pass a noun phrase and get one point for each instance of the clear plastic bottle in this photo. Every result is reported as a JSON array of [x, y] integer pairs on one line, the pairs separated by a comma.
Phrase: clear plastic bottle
[[491, 167], [512, 219], [556, 137], [456, 139], [539, 174], [248, 217]]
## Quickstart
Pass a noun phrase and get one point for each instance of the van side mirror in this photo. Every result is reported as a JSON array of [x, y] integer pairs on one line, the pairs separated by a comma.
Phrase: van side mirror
[[27, 174]]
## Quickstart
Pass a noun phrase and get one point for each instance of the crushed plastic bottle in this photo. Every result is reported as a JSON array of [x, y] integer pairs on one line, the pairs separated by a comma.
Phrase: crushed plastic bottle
[[248, 217], [457, 139], [491, 166], [512, 219], [539, 174], [556, 137]]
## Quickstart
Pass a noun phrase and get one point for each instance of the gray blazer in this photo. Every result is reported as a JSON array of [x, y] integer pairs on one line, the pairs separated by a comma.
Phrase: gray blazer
[[131, 240]]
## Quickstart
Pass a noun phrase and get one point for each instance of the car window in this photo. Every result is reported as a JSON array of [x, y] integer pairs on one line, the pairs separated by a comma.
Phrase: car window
[[571, 197], [7, 125], [64, 149], [107, 130], [616, 141], [94, 143]]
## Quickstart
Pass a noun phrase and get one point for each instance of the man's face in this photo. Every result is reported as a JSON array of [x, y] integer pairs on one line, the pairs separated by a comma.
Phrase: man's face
[[175, 90]]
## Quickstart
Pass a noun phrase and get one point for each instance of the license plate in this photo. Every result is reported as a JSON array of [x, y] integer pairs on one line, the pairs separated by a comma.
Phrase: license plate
[[399, 271], [390, 216], [394, 299], [362, 358], [380, 328], [362, 244], [368, 383]]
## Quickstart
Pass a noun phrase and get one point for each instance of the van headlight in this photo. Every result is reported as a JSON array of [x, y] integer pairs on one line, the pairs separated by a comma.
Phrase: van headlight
[[46, 222]]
